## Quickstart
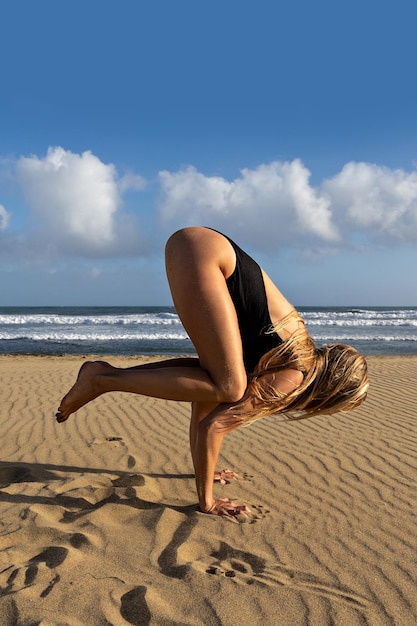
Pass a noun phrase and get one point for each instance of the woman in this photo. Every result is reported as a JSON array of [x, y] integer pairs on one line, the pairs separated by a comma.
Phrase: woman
[[254, 356]]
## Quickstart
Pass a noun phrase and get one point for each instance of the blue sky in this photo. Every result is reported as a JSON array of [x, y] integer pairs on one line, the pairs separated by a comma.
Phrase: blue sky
[[292, 127]]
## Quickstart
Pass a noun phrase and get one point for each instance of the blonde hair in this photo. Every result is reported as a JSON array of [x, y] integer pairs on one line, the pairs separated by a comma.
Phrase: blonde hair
[[335, 377]]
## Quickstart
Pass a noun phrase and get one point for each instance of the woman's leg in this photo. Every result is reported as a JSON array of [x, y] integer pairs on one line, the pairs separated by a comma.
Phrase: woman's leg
[[198, 261], [98, 377]]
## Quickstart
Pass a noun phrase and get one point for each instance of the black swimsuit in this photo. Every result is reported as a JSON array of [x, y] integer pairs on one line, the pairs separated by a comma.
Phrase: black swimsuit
[[247, 290]]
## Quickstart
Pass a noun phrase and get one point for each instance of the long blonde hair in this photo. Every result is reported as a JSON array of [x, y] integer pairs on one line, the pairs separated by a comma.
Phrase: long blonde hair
[[335, 377]]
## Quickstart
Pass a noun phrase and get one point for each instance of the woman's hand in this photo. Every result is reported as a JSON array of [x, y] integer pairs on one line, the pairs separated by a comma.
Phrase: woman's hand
[[226, 508], [225, 476]]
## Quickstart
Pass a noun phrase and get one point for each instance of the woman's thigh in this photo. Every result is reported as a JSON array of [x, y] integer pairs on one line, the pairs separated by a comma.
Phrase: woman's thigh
[[198, 261]]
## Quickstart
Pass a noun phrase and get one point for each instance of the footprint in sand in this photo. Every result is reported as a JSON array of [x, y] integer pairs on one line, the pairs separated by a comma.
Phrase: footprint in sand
[[79, 541], [40, 570], [129, 480], [258, 512], [118, 441], [133, 607], [246, 568]]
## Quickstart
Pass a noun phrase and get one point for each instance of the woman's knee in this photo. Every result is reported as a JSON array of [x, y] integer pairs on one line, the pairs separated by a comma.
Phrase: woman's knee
[[178, 240], [232, 389]]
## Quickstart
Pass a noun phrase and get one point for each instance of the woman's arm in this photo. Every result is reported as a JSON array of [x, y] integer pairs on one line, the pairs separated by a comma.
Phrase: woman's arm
[[211, 430], [210, 433]]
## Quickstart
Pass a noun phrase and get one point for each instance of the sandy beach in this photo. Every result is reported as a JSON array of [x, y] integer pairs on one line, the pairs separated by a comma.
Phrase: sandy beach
[[99, 525]]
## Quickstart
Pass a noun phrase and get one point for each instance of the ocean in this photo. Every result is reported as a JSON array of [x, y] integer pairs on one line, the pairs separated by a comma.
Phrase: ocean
[[158, 330]]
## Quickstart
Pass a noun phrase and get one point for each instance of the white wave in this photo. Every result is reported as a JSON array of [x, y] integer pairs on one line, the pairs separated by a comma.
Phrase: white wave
[[364, 319], [180, 334], [356, 317], [341, 338], [362, 322], [159, 319], [374, 327], [74, 336]]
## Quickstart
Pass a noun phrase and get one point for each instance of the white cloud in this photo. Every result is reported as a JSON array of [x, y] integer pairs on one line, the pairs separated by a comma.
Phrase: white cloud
[[272, 202], [76, 204], [275, 203], [131, 181], [74, 195], [376, 199], [4, 218]]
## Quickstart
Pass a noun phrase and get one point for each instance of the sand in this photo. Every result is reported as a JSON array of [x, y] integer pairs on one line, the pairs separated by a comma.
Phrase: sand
[[99, 524]]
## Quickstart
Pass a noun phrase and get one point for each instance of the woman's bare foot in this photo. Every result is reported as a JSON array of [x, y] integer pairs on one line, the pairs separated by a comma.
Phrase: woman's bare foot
[[88, 386], [225, 476]]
